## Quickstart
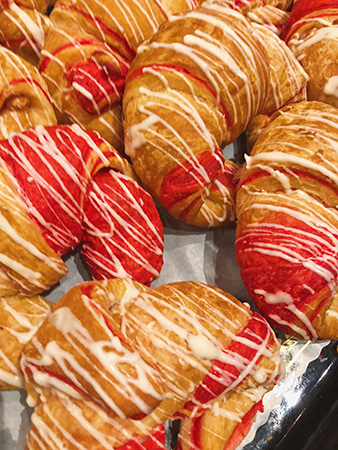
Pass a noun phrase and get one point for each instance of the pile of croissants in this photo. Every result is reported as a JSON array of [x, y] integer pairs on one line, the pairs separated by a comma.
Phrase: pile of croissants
[[107, 107]]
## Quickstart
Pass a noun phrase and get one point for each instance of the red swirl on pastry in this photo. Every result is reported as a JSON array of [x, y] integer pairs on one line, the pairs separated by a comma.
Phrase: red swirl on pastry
[[57, 173], [122, 229], [250, 345], [94, 86]]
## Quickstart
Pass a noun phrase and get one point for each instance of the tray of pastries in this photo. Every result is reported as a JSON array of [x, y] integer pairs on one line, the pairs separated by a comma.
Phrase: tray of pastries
[[168, 221]]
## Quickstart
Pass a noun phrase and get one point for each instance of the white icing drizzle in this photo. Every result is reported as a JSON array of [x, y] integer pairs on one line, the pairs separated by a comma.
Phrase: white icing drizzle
[[108, 204], [331, 87], [224, 72]]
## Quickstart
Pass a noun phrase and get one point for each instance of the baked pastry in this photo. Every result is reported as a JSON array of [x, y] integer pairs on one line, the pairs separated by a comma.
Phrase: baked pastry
[[24, 101], [122, 231], [128, 349], [20, 317], [192, 89], [273, 18], [23, 29], [312, 36], [56, 171], [87, 53], [84, 424], [287, 221]]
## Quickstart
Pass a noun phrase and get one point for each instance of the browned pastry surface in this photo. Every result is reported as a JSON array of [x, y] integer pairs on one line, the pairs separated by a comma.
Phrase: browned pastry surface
[[114, 349], [24, 101], [192, 89], [20, 317]]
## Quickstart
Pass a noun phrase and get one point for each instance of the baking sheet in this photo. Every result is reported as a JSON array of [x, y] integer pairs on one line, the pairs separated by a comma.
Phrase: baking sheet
[[190, 254]]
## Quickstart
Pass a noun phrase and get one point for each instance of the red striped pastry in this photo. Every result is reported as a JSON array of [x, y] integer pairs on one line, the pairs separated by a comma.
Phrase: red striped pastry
[[312, 34], [286, 243], [56, 171], [120, 349], [191, 89], [122, 231]]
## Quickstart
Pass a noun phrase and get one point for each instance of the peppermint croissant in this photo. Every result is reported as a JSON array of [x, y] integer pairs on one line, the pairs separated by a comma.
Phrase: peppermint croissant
[[76, 188], [132, 357], [191, 89], [286, 242]]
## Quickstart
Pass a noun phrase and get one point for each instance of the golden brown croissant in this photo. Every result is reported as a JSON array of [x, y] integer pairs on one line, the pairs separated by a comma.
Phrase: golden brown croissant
[[286, 243], [20, 317], [312, 35], [191, 89], [24, 101], [116, 348]]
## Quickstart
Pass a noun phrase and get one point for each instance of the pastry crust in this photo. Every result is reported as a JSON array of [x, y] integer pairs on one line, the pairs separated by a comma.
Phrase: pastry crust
[[129, 349], [20, 317], [24, 101], [23, 30], [287, 221], [287, 77], [312, 35], [179, 114]]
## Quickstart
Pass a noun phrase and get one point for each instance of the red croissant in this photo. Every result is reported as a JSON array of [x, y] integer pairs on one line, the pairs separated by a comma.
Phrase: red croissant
[[286, 242], [53, 169]]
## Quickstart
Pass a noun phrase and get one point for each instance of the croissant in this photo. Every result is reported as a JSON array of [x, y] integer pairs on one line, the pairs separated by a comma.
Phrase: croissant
[[20, 318], [60, 174], [287, 221], [24, 100], [23, 29], [312, 36], [134, 356], [191, 89]]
